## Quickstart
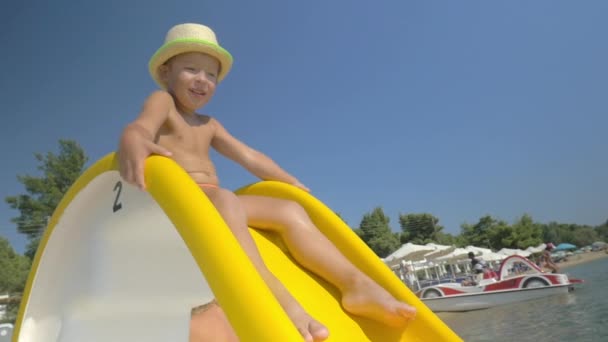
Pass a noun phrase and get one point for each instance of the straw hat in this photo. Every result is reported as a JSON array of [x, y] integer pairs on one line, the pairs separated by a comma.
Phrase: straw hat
[[189, 38]]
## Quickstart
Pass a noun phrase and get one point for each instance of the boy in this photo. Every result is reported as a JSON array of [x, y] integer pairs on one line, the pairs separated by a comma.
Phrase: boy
[[547, 260], [188, 67], [478, 266]]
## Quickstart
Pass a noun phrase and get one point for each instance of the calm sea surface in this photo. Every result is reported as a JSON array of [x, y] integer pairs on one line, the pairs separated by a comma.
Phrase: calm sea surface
[[581, 315]]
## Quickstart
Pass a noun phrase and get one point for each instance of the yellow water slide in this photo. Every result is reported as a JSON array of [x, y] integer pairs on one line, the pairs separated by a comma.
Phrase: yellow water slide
[[119, 264]]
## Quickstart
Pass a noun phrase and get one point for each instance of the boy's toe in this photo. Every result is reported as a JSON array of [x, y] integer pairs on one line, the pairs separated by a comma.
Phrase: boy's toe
[[305, 334], [318, 331]]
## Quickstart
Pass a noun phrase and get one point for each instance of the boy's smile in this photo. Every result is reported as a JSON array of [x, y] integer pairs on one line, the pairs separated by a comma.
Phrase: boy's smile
[[201, 93]]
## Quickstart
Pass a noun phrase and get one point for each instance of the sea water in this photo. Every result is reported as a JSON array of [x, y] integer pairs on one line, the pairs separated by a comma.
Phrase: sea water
[[581, 315]]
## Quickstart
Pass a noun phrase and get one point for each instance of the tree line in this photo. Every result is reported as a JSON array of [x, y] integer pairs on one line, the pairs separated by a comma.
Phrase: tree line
[[59, 171], [488, 232], [35, 207]]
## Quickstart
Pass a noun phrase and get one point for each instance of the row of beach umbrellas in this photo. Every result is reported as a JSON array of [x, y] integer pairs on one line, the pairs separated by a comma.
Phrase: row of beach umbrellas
[[432, 252]]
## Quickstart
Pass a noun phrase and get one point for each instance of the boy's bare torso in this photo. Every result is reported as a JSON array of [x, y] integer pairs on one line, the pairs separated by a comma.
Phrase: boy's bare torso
[[189, 139], [546, 256]]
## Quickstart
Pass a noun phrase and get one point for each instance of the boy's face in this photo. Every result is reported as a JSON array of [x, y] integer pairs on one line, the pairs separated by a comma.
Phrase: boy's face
[[191, 77]]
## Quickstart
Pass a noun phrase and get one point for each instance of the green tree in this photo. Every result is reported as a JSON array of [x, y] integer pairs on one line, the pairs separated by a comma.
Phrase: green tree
[[579, 235], [445, 239], [419, 228], [551, 232], [602, 231], [59, 171], [14, 269], [488, 232], [585, 236], [498, 235], [359, 233], [375, 231], [567, 232], [524, 233]]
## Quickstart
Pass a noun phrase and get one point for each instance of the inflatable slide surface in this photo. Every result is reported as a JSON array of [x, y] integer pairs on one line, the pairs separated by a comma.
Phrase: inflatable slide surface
[[119, 264]]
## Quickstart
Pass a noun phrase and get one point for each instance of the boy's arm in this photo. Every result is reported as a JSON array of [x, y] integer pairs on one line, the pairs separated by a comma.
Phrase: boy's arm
[[253, 161], [137, 139]]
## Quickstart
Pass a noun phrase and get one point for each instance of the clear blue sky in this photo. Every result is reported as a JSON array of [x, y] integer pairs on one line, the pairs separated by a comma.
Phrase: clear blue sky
[[459, 109]]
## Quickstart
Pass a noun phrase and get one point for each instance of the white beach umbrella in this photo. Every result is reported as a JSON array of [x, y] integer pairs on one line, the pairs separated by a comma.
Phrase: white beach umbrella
[[536, 249], [404, 250], [510, 251]]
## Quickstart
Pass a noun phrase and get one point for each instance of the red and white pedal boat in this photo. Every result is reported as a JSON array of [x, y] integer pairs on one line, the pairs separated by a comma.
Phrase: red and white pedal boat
[[518, 279]]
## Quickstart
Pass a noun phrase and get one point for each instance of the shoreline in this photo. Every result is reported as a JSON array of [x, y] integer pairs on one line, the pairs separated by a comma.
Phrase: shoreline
[[582, 258]]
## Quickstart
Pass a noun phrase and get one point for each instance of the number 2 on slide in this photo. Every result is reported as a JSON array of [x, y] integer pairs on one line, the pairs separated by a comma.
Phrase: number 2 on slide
[[117, 189]]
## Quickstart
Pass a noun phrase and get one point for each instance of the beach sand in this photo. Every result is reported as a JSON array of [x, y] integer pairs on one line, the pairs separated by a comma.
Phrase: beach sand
[[582, 258]]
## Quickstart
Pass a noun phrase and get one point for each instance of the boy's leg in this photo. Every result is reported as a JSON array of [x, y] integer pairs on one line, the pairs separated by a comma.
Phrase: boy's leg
[[209, 324], [360, 294], [554, 268], [229, 206]]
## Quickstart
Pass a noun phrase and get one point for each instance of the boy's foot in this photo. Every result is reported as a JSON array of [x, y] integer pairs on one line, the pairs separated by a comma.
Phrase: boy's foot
[[310, 329], [368, 299]]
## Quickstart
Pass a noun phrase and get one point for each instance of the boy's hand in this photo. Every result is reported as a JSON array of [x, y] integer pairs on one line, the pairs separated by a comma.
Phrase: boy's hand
[[301, 186], [132, 155]]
